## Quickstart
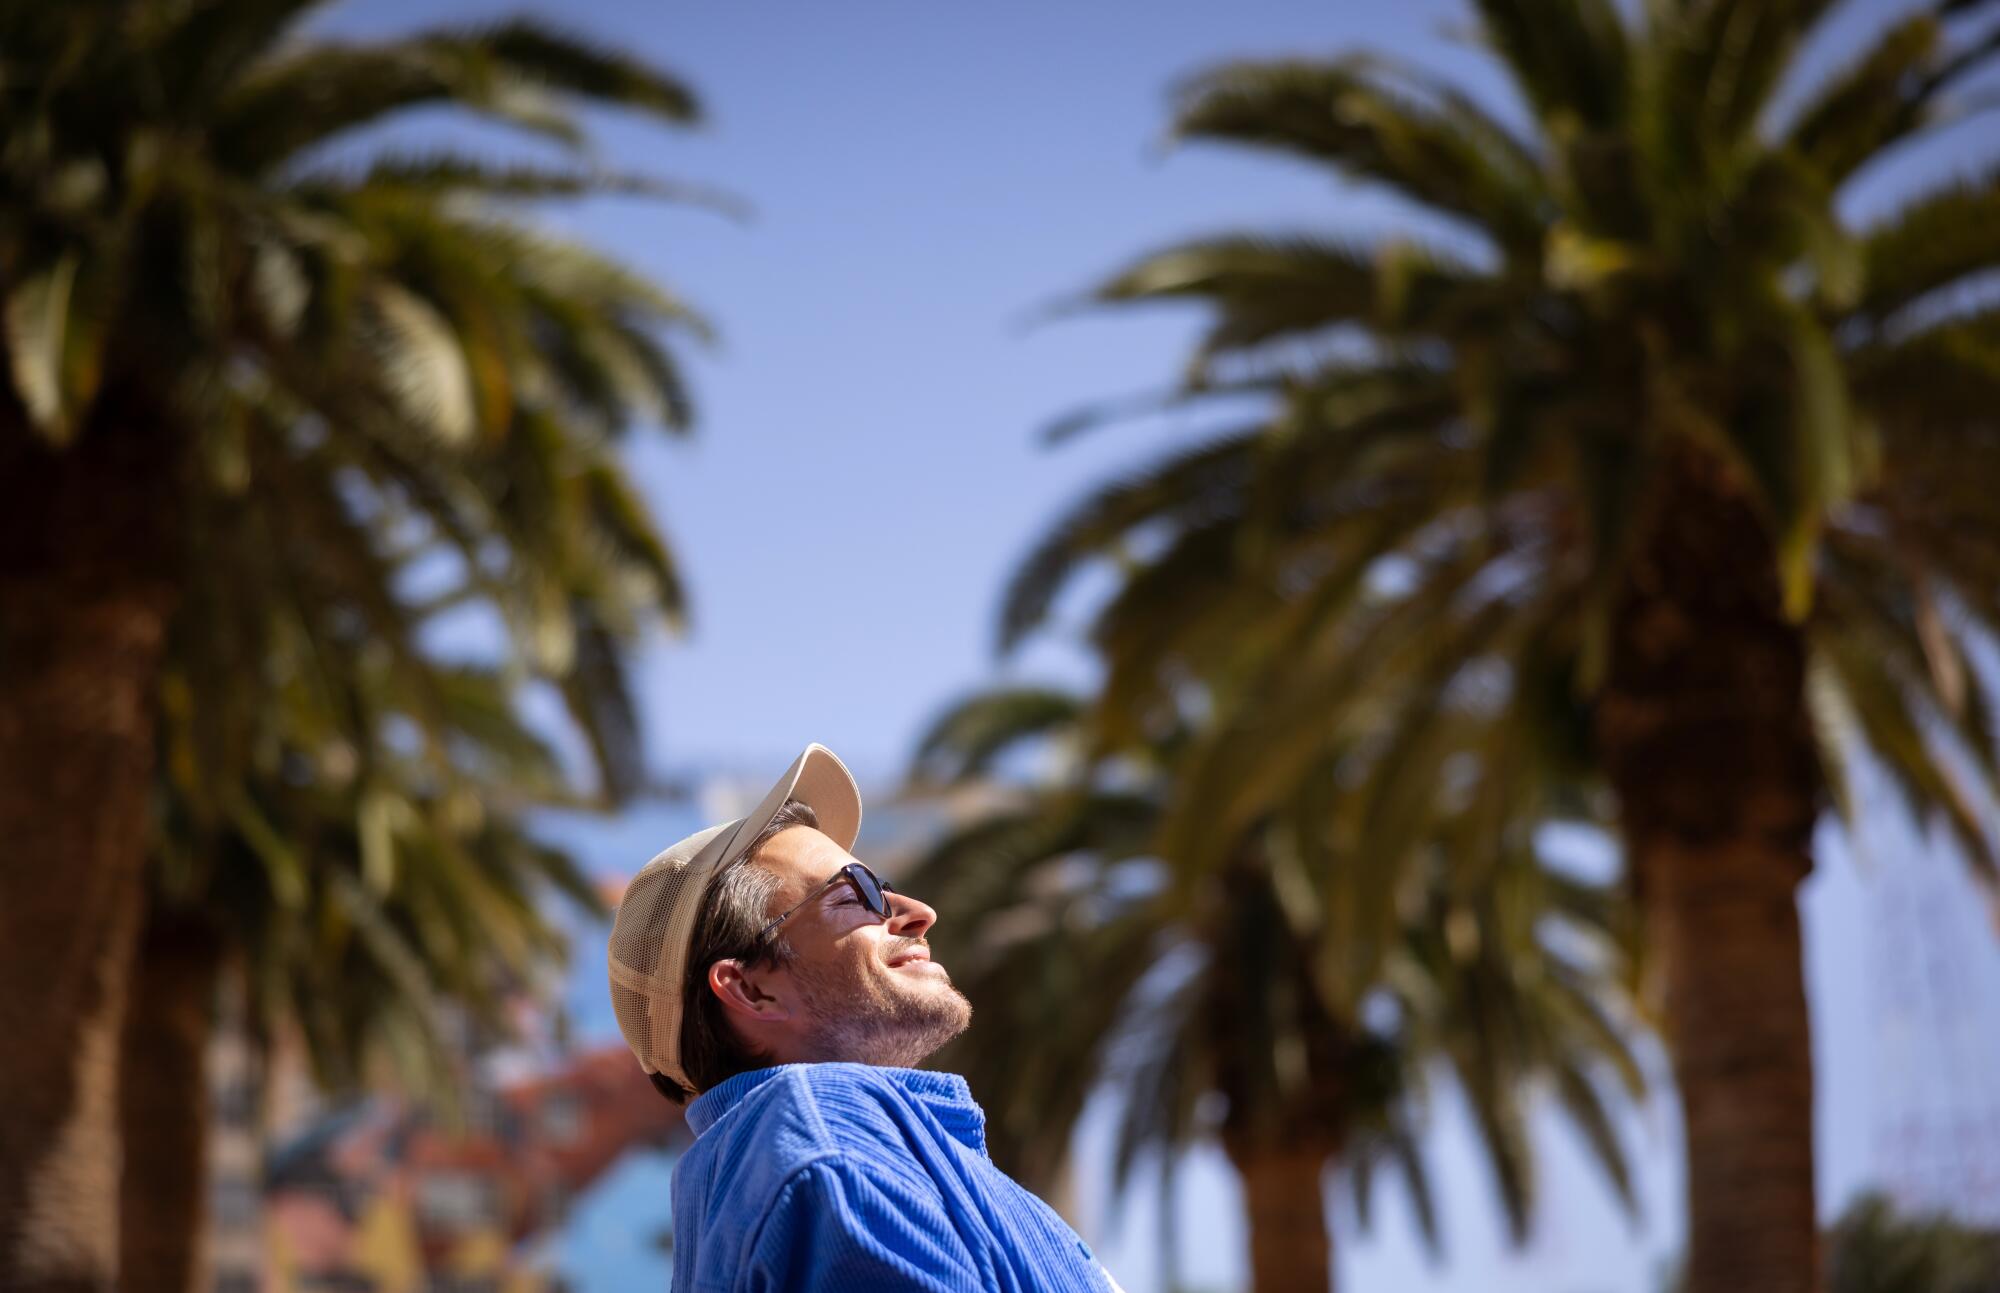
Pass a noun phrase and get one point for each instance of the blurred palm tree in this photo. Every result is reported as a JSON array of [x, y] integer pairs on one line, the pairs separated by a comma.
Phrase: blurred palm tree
[[1875, 1248], [1303, 992], [1634, 422], [243, 371], [355, 888]]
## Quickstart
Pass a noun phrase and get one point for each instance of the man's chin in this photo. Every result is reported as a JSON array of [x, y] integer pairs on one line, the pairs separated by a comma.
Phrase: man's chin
[[931, 992], [918, 1013], [943, 1014]]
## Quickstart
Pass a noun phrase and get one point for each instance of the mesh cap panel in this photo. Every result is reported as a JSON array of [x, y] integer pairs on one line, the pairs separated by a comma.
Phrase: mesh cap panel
[[659, 903]]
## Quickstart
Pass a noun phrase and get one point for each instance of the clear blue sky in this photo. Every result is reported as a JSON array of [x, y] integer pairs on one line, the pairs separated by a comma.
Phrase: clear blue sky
[[865, 474]]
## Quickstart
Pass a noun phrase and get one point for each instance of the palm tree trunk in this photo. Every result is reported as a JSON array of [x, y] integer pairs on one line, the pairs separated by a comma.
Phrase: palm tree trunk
[[164, 1104], [1724, 922], [1291, 1249], [1704, 731], [85, 594]]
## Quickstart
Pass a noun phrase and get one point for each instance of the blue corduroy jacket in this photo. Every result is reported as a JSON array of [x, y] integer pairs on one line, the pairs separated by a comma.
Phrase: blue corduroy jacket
[[848, 1178]]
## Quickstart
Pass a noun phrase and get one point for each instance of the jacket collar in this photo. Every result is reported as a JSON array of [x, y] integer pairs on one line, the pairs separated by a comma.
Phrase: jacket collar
[[945, 1096]]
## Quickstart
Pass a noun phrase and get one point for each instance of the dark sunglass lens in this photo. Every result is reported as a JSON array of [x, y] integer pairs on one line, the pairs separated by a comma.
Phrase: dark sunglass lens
[[871, 892]]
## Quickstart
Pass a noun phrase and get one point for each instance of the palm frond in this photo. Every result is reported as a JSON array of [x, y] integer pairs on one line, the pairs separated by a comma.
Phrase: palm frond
[[1932, 787], [448, 174], [1570, 60], [519, 73], [603, 73], [966, 738], [1855, 111], [1933, 242], [1440, 153], [1736, 53], [1586, 1111], [1183, 486]]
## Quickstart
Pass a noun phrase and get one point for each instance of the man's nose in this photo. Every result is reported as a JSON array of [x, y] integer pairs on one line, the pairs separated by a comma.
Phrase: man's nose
[[909, 918]]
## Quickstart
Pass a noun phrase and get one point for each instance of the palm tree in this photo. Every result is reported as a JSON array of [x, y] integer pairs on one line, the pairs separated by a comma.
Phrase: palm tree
[[360, 976], [1875, 1249], [1649, 432], [227, 355], [354, 887], [1312, 999]]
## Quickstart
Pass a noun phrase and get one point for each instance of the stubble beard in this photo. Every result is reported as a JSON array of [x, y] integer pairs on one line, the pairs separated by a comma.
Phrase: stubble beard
[[898, 1029]]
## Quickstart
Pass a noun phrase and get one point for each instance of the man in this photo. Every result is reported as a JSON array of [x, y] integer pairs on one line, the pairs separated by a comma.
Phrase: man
[[758, 968]]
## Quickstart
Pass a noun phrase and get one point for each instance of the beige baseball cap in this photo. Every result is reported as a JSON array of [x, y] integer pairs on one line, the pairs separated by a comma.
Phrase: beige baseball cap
[[655, 923]]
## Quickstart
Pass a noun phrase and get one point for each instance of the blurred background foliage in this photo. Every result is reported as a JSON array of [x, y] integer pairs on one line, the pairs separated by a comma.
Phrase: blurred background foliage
[[1874, 1248], [1647, 449], [271, 415], [1292, 1006]]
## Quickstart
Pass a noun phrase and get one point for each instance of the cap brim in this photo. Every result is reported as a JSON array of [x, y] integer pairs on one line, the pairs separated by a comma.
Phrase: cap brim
[[818, 779]]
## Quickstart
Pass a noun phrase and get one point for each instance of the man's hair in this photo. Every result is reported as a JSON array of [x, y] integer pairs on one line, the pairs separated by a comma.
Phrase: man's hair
[[726, 926]]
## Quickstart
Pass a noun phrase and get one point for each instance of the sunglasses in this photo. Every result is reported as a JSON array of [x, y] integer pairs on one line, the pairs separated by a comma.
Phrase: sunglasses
[[872, 889]]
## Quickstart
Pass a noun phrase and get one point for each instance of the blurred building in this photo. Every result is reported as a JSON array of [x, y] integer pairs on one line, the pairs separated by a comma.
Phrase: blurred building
[[385, 1195]]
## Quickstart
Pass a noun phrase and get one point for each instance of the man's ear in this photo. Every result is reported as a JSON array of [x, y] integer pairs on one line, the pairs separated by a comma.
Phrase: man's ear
[[738, 989]]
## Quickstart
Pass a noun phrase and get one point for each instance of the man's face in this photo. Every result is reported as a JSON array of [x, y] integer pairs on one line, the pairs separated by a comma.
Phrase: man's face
[[867, 988]]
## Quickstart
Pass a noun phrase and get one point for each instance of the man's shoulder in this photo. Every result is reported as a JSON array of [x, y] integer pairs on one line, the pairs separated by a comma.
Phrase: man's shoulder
[[825, 1107], [805, 1112]]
